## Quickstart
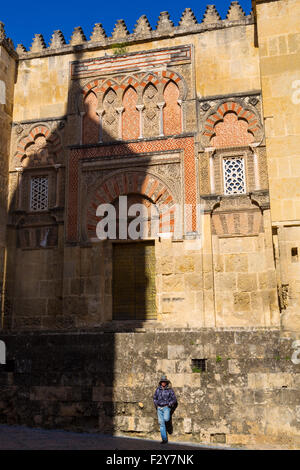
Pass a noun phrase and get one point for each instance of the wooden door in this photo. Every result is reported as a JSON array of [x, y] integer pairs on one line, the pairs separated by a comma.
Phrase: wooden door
[[134, 281]]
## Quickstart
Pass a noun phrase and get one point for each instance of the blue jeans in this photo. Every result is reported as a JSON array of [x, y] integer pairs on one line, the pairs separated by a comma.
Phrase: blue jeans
[[164, 415]]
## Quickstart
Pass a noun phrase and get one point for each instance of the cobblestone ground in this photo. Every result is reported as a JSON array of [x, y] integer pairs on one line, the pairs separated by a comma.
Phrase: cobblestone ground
[[24, 438]]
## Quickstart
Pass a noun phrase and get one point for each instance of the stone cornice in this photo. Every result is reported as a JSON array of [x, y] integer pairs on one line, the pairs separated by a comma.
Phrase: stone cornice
[[119, 41]]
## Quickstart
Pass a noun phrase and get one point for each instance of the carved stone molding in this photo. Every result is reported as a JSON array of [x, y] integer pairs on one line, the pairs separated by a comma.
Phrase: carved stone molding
[[261, 198], [210, 203], [213, 111]]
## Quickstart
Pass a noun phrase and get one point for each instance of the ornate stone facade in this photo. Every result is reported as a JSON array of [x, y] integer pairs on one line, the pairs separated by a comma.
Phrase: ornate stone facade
[[189, 116]]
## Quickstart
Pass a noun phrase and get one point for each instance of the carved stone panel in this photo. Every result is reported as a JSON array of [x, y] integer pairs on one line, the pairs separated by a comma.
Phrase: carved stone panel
[[151, 111]]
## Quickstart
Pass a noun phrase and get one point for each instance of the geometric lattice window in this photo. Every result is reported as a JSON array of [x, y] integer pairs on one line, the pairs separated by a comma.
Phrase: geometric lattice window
[[39, 193], [234, 175]]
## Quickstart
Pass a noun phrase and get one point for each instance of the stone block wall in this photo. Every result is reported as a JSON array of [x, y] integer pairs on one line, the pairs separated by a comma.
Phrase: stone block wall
[[278, 39], [7, 79], [278, 35], [286, 242], [104, 381], [179, 282]]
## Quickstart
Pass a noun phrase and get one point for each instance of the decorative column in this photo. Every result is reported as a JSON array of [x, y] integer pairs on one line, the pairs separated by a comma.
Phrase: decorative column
[[255, 167], [181, 113], [19, 171], [120, 111], [81, 126], [100, 113], [57, 199], [211, 172], [161, 118], [140, 108]]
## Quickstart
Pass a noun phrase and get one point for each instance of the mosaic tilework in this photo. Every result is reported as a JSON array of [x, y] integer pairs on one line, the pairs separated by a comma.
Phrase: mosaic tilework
[[186, 144]]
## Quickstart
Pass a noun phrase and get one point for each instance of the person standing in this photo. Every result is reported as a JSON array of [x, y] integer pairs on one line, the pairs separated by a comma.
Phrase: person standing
[[164, 400]]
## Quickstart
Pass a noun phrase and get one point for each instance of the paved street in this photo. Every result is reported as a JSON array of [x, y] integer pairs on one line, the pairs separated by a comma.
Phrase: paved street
[[24, 438]]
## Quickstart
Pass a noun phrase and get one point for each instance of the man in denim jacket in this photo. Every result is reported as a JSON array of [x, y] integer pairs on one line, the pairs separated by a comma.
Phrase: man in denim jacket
[[164, 400]]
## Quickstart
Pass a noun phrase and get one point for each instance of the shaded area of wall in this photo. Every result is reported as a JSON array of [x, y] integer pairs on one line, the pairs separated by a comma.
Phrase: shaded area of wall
[[248, 393], [7, 81]]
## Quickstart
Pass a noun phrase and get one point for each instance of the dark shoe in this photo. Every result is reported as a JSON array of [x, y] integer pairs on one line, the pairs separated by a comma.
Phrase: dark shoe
[[169, 427], [164, 442]]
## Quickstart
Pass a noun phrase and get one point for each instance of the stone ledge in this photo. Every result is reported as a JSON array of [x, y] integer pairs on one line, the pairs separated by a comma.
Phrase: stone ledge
[[130, 39]]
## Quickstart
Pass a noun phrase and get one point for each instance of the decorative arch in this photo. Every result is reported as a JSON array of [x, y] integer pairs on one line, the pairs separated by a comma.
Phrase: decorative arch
[[231, 124], [168, 75], [107, 84], [40, 147], [129, 80], [146, 117], [172, 109], [94, 85], [131, 115], [121, 83], [90, 123], [142, 183]]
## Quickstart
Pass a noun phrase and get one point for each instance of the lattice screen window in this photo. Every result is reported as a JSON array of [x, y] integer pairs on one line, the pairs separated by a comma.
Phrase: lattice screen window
[[234, 175], [39, 193]]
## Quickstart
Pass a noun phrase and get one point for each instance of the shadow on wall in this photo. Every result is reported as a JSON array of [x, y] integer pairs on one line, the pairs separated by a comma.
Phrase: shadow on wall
[[60, 278]]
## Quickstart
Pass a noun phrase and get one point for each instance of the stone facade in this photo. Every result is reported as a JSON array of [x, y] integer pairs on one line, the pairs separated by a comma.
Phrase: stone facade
[[198, 115], [248, 393]]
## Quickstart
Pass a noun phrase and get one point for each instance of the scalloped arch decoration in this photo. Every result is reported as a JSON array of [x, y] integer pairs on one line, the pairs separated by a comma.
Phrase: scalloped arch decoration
[[101, 86], [51, 138], [238, 133]]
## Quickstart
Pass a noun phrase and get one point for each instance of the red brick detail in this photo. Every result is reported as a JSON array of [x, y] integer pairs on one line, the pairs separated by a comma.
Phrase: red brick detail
[[171, 110], [152, 189], [137, 182], [231, 132], [131, 116], [231, 125], [185, 144], [90, 125]]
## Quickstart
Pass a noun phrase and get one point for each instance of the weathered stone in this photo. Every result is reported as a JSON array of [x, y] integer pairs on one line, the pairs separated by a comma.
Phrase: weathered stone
[[211, 15], [78, 36], [246, 282], [142, 27], [164, 24], [98, 33], [38, 43], [160, 123], [236, 263], [173, 283], [184, 264], [235, 12], [120, 30], [57, 40], [187, 19]]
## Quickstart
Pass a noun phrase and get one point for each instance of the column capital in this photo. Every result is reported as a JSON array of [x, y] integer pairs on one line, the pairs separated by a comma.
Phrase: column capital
[[161, 105], [100, 112]]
